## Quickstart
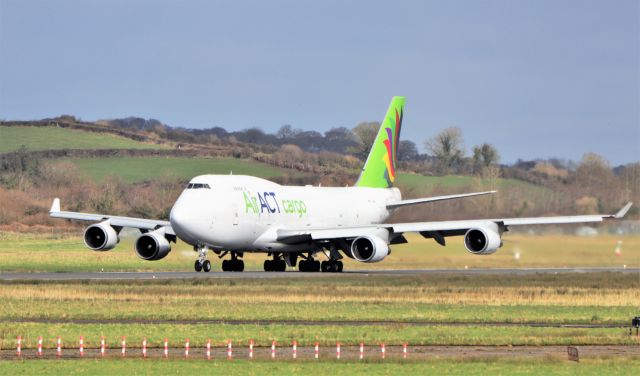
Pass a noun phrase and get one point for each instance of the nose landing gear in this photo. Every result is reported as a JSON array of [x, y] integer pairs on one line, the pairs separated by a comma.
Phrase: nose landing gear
[[202, 264]]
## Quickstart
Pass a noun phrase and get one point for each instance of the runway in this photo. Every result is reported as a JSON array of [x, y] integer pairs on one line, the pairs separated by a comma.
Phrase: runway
[[116, 276]]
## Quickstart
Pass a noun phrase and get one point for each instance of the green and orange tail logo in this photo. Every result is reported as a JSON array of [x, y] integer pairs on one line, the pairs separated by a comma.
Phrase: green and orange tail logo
[[379, 170]]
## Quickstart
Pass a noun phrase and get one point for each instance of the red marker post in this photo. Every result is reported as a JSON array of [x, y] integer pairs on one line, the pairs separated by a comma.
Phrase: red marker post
[[19, 346], [338, 350], [102, 346], [295, 350], [229, 350], [208, 352], [59, 347], [404, 350], [39, 345], [383, 350], [166, 348], [250, 349], [361, 350], [273, 349], [316, 350], [81, 344], [144, 347], [124, 346], [186, 348]]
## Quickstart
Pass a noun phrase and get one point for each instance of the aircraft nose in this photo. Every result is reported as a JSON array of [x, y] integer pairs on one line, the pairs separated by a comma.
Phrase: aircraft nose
[[179, 217]]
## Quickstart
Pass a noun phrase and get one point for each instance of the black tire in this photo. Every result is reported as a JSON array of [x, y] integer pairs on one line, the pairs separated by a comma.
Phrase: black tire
[[333, 267], [324, 266], [281, 265], [315, 266], [226, 266], [239, 266], [303, 266], [340, 266], [206, 266], [268, 266], [197, 266]]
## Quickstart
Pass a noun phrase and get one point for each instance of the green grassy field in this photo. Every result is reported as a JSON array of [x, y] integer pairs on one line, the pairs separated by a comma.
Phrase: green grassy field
[[135, 169], [548, 366], [50, 138]]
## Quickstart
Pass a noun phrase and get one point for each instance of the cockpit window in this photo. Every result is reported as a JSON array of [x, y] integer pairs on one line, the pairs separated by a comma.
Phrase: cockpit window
[[198, 186]]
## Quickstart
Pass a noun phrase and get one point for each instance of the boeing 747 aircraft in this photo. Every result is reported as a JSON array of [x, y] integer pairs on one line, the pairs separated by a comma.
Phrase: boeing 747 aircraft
[[231, 215]]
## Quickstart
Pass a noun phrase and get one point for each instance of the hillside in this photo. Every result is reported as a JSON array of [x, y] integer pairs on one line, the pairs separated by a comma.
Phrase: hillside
[[53, 138]]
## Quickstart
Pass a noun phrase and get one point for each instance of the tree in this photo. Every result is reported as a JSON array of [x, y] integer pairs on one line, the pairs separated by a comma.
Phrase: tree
[[448, 148], [365, 134], [285, 132], [407, 151], [484, 156]]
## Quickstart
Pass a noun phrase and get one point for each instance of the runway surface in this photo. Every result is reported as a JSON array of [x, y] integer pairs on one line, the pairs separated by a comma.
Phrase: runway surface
[[80, 276]]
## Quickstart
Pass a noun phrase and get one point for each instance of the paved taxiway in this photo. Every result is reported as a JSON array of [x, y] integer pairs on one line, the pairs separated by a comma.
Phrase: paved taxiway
[[80, 276]]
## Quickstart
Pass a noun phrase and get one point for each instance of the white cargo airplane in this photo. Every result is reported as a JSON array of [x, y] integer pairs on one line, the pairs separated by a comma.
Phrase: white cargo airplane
[[231, 215]]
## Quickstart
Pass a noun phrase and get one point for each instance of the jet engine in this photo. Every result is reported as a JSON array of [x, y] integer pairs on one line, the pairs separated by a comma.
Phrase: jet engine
[[483, 240], [101, 236], [369, 249], [152, 246]]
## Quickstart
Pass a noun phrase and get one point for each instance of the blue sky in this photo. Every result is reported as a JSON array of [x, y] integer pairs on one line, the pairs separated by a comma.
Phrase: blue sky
[[535, 78]]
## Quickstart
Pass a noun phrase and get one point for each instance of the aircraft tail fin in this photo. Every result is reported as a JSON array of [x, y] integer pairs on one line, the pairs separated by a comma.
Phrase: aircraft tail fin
[[379, 170]]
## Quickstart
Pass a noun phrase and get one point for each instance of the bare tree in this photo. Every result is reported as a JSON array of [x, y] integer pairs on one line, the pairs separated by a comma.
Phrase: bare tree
[[484, 156], [365, 134], [448, 148]]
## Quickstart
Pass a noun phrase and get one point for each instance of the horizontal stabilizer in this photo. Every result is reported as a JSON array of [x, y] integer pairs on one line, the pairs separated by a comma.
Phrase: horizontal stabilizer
[[397, 204]]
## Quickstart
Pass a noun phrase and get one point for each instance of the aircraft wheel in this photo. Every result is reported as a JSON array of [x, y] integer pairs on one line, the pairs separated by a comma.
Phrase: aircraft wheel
[[340, 266], [303, 266], [197, 266], [206, 266], [281, 266], [268, 266], [316, 266], [324, 266], [225, 266], [238, 265]]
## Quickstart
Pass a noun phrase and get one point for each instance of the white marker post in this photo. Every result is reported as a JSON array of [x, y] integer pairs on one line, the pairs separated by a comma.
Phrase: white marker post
[[124, 346], [295, 350], [39, 345], [338, 350], [229, 350], [186, 349], [102, 346], [383, 351], [166, 348], [144, 347], [19, 346], [404, 350], [208, 352], [273, 349], [250, 349], [81, 346], [316, 350], [59, 347], [361, 350]]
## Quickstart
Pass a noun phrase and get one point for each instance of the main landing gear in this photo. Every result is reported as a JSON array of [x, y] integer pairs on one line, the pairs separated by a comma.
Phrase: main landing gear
[[331, 266], [202, 264], [233, 265], [276, 265], [309, 264]]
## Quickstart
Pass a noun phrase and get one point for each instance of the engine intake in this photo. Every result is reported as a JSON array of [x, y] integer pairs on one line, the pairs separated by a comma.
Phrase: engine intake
[[101, 237], [483, 240], [369, 249], [152, 246]]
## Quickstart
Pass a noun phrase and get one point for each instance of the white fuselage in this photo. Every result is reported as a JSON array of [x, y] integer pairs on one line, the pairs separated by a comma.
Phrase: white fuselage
[[244, 213]]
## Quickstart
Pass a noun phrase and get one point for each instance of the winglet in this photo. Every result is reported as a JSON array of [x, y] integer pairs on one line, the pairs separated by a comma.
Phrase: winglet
[[622, 212], [55, 206]]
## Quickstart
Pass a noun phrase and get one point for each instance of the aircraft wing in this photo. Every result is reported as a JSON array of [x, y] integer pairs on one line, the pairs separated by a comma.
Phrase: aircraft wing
[[438, 229], [397, 204], [116, 221]]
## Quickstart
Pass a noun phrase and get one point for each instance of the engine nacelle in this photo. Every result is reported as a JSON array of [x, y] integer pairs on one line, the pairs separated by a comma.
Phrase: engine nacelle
[[483, 240], [152, 246], [101, 237], [369, 249]]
